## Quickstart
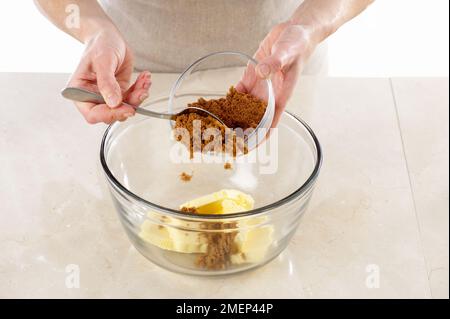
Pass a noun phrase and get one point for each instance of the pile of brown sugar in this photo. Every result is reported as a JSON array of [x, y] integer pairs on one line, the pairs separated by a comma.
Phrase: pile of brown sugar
[[236, 110], [186, 121], [221, 246]]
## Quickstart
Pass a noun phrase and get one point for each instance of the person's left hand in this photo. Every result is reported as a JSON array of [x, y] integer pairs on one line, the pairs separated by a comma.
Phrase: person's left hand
[[280, 57]]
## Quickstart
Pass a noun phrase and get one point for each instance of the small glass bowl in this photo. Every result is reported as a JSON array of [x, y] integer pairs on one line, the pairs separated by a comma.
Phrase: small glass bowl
[[144, 180], [192, 85]]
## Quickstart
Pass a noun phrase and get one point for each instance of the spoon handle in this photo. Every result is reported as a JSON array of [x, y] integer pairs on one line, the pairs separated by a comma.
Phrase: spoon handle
[[82, 95]]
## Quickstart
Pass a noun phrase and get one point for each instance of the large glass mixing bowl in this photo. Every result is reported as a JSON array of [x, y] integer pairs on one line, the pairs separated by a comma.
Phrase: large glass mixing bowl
[[143, 174]]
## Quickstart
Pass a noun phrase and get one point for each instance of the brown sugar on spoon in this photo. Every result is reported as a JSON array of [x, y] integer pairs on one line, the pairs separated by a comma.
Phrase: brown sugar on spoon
[[187, 121], [236, 110]]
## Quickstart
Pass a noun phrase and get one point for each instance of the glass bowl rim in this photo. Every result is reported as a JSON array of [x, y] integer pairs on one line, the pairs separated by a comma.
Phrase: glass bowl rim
[[254, 212]]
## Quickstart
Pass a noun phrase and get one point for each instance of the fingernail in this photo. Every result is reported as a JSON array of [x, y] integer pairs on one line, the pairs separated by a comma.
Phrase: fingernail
[[264, 70], [143, 97], [143, 76], [112, 100], [127, 115]]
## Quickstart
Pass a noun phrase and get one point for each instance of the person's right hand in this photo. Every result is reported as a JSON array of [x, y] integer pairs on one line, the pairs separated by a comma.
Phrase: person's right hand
[[106, 67]]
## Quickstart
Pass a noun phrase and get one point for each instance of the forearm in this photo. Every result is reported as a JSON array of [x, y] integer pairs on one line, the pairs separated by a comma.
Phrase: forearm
[[324, 17], [92, 17]]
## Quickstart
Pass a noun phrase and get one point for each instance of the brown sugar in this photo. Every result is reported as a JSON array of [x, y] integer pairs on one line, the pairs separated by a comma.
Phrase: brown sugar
[[185, 177], [192, 210], [187, 121], [221, 245], [221, 138], [236, 110]]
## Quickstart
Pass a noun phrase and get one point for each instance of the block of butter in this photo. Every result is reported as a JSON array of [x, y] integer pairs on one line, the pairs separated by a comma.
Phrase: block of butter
[[225, 201], [172, 237], [252, 242]]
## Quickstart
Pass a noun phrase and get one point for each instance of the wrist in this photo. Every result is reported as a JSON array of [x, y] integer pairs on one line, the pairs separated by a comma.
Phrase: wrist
[[316, 30]]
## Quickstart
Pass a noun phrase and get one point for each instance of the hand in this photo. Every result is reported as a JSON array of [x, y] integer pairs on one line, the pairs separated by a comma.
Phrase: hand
[[106, 67], [281, 56]]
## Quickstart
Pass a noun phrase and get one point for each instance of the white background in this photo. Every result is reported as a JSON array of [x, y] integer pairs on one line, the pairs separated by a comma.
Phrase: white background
[[391, 38]]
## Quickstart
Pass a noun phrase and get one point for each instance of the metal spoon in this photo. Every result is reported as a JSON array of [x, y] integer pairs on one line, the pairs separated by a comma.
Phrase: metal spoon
[[83, 95]]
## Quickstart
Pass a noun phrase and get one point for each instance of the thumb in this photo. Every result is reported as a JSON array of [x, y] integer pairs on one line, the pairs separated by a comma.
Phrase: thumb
[[105, 67], [269, 65], [287, 48]]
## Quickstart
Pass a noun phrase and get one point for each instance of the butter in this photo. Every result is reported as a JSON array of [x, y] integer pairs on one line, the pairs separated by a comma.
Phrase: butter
[[253, 245], [172, 237], [252, 242], [226, 201]]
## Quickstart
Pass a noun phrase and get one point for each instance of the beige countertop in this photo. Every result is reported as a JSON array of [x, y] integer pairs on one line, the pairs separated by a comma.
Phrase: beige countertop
[[377, 225]]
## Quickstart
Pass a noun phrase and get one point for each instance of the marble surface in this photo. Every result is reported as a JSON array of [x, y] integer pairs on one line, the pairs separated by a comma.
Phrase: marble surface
[[377, 226], [427, 157]]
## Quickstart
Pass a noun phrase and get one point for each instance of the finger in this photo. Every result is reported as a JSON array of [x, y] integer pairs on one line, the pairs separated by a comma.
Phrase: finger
[[248, 79], [143, 81], [289, 46], [289, 81], [138, 81], [97, 113], [276, 117], [103, 113], [83, 77], [138, 92], [124, 72], [240, 87], [84, 109], [124, 112], [272, 64], [104, 66]]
